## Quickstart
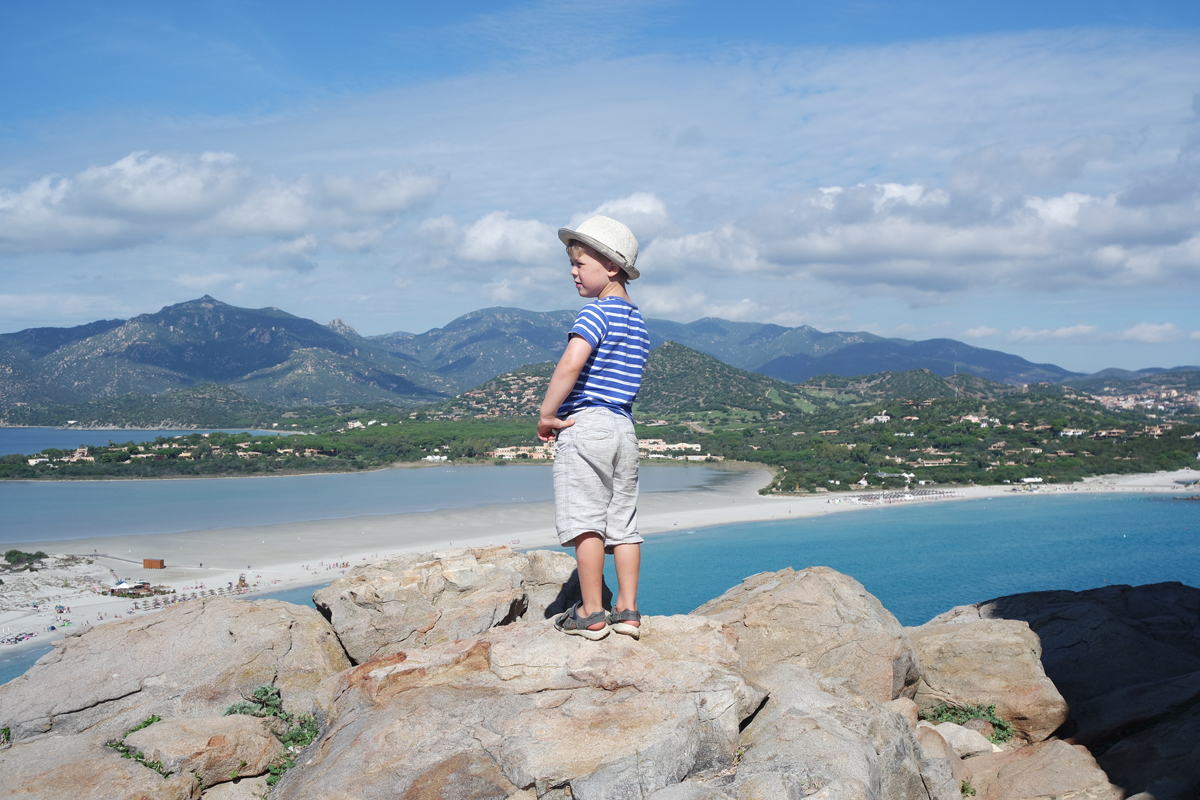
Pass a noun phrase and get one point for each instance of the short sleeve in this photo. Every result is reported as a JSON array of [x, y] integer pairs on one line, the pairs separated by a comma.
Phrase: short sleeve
[[591, 324]]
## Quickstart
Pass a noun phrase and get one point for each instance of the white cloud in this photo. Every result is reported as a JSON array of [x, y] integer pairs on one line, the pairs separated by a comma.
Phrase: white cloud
[[981, 332], [145, 197], [1149, 333], [294, 254], [498, 237], [1195, 336], [1071, 332], [644, 212], [726, 249]]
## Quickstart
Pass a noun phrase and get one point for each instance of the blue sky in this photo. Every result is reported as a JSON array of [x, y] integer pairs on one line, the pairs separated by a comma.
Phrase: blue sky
[[1024, 178]]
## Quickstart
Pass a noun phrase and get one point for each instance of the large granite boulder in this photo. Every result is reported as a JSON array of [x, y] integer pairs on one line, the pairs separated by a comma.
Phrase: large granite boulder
[[1127, 660], [81, 767], [524, 708], [421, 599], [192, 659], [823, 620], [1049, 770], [806, 741], [217, 749], [968, 660]]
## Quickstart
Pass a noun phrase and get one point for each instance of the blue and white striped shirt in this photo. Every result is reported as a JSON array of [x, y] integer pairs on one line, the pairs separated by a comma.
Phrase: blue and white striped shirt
[[613, 373]]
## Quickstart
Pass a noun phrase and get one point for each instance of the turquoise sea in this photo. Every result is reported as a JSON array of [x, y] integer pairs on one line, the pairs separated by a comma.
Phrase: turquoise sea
[[921, 560]]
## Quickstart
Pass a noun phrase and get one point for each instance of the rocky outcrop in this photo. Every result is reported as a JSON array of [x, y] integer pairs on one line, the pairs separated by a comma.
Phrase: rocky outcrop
[[189, 660], [81, 767], [822, 620], [1127, 660], [967, 660], [794, 684], [423, 599], [1048, 770], [523, 707], [806, 741], [217, 749]]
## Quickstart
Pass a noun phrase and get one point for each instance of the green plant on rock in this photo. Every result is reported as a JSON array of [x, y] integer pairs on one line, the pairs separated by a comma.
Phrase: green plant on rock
[[967, 789], [5, 735], [1001, 731], [146, 723], [137, 755], [299, 732]]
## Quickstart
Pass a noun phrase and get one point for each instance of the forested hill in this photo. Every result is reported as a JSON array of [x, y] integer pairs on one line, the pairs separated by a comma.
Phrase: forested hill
[[276, 358]]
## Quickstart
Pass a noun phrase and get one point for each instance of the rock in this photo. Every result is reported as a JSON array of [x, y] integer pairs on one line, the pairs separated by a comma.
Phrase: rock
[[189, 660], [421, 599], [807, 742], [823, 620], [1050, 770], [1127, 660], [936, 749], [214, 747], [81, 767], [241, 789], [523, 707], [1163, 760], [905, 708], [967, 743], [690, 791], [980, 726], [967, 660]]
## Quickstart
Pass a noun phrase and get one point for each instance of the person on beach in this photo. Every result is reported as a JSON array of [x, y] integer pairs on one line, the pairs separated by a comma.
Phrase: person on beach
[[589, 408]]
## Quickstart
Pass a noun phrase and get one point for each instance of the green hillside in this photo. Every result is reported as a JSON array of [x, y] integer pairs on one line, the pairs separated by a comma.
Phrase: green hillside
[[679, 381]]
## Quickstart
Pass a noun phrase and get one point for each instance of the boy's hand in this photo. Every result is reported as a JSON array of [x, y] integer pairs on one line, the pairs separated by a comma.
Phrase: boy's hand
[[548, 426]]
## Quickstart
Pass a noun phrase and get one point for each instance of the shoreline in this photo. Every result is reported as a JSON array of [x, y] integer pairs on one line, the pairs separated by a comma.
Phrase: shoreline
[[285, 556]]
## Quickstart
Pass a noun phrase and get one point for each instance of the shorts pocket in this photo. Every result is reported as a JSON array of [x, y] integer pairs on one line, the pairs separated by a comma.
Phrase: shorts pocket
[[595, 435]]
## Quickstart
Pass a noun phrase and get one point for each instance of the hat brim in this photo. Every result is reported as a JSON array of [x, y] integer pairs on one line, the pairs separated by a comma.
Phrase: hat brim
[[565, 235]]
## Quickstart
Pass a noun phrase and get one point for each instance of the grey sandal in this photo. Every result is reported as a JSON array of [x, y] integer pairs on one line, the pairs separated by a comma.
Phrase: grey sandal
[[619, 621], [569, 622]]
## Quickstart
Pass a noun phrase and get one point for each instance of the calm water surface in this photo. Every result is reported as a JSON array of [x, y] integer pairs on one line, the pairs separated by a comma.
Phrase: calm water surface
[[59, 510], [35, 440]]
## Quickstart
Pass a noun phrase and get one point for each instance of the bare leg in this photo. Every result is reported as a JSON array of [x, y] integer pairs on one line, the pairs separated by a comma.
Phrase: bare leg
[[628, 558], [589, 556]]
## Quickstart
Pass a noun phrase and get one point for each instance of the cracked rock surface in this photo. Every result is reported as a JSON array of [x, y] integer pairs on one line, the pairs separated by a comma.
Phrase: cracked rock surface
[[523, 707], [213, 747], [421, 599], [825, 621], [191, 659], [81, 767]]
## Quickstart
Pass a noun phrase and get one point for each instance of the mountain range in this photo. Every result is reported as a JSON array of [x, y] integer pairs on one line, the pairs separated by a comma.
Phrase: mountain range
[[280, 359]]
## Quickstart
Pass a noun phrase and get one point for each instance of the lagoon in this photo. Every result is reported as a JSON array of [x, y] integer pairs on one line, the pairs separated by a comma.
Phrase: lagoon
[[34, 440], [62, 510]]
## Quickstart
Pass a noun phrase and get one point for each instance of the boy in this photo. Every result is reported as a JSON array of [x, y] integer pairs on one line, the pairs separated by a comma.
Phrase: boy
[[589, 405]]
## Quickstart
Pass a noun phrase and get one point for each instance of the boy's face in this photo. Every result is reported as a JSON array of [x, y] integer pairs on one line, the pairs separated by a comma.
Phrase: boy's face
[[592, 273]]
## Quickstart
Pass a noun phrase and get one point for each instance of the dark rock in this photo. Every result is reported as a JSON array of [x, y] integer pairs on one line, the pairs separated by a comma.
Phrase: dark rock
[[1127, 661]]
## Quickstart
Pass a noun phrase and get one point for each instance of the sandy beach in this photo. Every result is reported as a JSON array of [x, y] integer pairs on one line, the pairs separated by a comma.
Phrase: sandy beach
[[276, 557]]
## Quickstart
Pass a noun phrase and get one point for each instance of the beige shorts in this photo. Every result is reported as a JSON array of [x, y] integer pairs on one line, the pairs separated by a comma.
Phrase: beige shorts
[[596, 478]]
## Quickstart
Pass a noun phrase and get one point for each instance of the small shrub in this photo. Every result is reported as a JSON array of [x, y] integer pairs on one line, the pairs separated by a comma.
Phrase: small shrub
[[1001, 730], [5, 735], [967, 789]]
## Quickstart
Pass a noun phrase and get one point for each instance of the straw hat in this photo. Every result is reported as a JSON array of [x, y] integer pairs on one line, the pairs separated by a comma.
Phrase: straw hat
[[609, 238]]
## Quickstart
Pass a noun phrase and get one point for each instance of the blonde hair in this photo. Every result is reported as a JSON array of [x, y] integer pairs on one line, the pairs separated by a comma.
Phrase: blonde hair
[[575, 245]]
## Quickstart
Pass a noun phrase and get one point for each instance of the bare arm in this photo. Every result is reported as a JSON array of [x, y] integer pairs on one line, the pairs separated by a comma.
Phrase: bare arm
[[565, 374]]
